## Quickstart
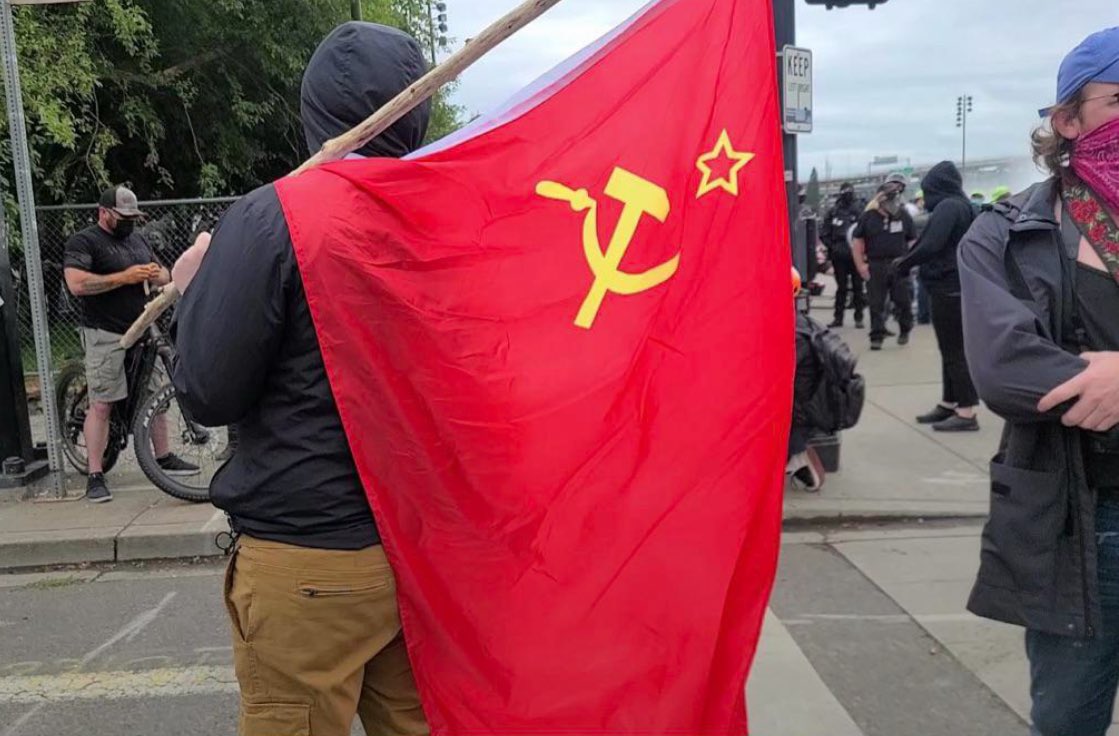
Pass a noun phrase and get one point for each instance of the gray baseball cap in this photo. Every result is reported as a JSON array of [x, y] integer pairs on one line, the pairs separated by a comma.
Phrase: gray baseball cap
[[121, 200]]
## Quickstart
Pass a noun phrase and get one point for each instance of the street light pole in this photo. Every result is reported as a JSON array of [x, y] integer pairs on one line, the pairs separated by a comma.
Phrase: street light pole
[[431, 28], [963, 108], [441, 8]]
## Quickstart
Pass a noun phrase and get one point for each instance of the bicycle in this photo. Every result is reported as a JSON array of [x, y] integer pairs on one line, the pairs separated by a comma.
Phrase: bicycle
[[188, 439]]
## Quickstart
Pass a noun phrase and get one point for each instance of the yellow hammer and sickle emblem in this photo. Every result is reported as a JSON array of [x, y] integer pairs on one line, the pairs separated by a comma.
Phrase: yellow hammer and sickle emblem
[[639, 197]]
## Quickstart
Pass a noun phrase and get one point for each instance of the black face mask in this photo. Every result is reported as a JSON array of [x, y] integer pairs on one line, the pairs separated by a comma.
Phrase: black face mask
[[124, 228], [846, 198]]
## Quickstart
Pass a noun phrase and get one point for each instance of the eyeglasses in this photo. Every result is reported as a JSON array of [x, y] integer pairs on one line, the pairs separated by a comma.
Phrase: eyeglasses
[[1047, 111], [1113, 96]]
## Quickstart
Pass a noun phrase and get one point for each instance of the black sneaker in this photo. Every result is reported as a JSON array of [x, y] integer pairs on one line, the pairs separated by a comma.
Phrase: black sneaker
[[956, 423], [172, 464], [96, 489], [939, 414], [890, 333], [859, 323], [835, 323], [875, 344], [903, 338]]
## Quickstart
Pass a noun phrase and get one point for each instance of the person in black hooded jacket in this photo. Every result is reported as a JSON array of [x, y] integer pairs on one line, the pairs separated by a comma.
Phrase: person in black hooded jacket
[[311, 597], [951, 214]]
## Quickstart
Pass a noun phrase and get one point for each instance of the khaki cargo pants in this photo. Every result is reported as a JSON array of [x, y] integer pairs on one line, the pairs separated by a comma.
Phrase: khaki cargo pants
[[316, 640]]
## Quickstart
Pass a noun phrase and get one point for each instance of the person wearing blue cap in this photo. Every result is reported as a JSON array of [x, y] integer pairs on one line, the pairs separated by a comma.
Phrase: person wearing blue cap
[[1039, 274]]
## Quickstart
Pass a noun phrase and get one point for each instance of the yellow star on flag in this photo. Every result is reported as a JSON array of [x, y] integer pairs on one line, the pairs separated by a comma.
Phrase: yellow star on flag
[[728, 182]]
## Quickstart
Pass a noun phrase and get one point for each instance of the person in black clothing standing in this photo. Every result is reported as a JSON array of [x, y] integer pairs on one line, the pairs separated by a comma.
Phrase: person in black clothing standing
[[310, 593], [885, 232], [833, 232], [951, 216]]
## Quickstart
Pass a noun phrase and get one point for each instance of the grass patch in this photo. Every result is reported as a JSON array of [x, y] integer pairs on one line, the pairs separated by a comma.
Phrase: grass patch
[[66, 346], [52, 583]]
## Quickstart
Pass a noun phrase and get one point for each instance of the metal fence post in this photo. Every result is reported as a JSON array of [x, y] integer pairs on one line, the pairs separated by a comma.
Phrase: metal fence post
[[21, 160]]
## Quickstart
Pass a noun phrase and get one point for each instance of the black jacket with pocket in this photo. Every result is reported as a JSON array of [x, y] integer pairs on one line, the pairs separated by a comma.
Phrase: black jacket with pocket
[[1038, 559], [248, 353]]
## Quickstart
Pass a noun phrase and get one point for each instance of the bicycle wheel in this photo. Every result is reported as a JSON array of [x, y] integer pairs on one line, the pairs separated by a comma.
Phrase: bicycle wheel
[[72, 399], [197, 445]]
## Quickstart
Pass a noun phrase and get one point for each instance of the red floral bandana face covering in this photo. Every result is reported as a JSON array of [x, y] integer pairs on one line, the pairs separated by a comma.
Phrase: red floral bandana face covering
[[1095, 159]]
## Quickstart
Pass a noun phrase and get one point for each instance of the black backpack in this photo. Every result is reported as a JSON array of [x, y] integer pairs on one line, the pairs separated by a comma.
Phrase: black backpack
[[837, 401]]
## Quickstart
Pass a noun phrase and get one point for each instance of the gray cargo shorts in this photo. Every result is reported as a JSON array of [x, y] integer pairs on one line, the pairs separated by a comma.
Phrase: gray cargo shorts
[[104, 367]]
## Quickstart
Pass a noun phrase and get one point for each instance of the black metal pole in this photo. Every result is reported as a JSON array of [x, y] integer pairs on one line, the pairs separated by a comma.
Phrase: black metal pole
[[784, 24], [355, 9]]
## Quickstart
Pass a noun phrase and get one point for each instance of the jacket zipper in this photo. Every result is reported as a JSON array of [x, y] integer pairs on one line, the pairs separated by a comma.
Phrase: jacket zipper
[[1070, 450], [1089, 631]]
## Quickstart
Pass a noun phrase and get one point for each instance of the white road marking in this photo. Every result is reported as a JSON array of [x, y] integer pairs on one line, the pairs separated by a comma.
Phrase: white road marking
[[42, 690], [808, 619], [786, 695], [128, 632], [132, 629]]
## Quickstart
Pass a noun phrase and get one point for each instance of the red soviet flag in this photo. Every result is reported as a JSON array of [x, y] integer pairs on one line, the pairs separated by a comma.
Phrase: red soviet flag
[[562, 348]]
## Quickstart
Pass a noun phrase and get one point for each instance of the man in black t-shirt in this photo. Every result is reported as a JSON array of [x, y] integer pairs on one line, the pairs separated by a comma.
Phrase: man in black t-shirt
[[106, 266], [885, 232]]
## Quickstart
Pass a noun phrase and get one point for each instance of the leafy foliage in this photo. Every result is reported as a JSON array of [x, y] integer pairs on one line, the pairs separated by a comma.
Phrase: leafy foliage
[[813, 195], [180, 98]]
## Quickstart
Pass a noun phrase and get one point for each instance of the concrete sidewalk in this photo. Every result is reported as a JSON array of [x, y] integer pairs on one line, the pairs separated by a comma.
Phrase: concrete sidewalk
[[891, 468], [890, 465], [141, 523]]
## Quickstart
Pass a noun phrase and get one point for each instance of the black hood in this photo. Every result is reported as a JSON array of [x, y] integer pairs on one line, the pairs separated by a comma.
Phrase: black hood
[[942, 182], [356, 70]]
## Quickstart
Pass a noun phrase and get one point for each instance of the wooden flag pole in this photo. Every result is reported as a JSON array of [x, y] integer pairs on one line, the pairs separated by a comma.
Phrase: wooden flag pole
[[338, 148]]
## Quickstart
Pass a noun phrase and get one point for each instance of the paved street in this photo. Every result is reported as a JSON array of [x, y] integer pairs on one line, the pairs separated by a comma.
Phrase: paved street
[[867, 636]]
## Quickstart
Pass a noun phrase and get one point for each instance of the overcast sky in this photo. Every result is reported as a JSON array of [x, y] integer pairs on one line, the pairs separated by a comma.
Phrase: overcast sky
[[886, 80]]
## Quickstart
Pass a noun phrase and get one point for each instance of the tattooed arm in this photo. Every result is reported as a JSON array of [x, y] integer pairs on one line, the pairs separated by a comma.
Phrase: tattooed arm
[[84, 283]]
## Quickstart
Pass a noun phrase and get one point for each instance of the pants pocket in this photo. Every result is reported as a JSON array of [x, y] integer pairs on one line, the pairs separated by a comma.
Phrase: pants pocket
[[237, 600], [275, 719]]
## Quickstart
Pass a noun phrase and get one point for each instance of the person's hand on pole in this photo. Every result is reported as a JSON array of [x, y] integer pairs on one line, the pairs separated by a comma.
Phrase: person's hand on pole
[[1096, 392], [189, 262]]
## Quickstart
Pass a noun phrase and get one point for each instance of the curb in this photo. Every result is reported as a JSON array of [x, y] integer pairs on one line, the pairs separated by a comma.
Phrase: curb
[[83, 546], [21, 550], [822, 519]]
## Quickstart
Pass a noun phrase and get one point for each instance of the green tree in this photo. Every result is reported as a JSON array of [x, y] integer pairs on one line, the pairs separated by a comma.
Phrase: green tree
[[185, 98], [812, 196]]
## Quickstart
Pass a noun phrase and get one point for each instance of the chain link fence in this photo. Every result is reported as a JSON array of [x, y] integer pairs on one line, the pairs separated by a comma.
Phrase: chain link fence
[[170, 227]]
